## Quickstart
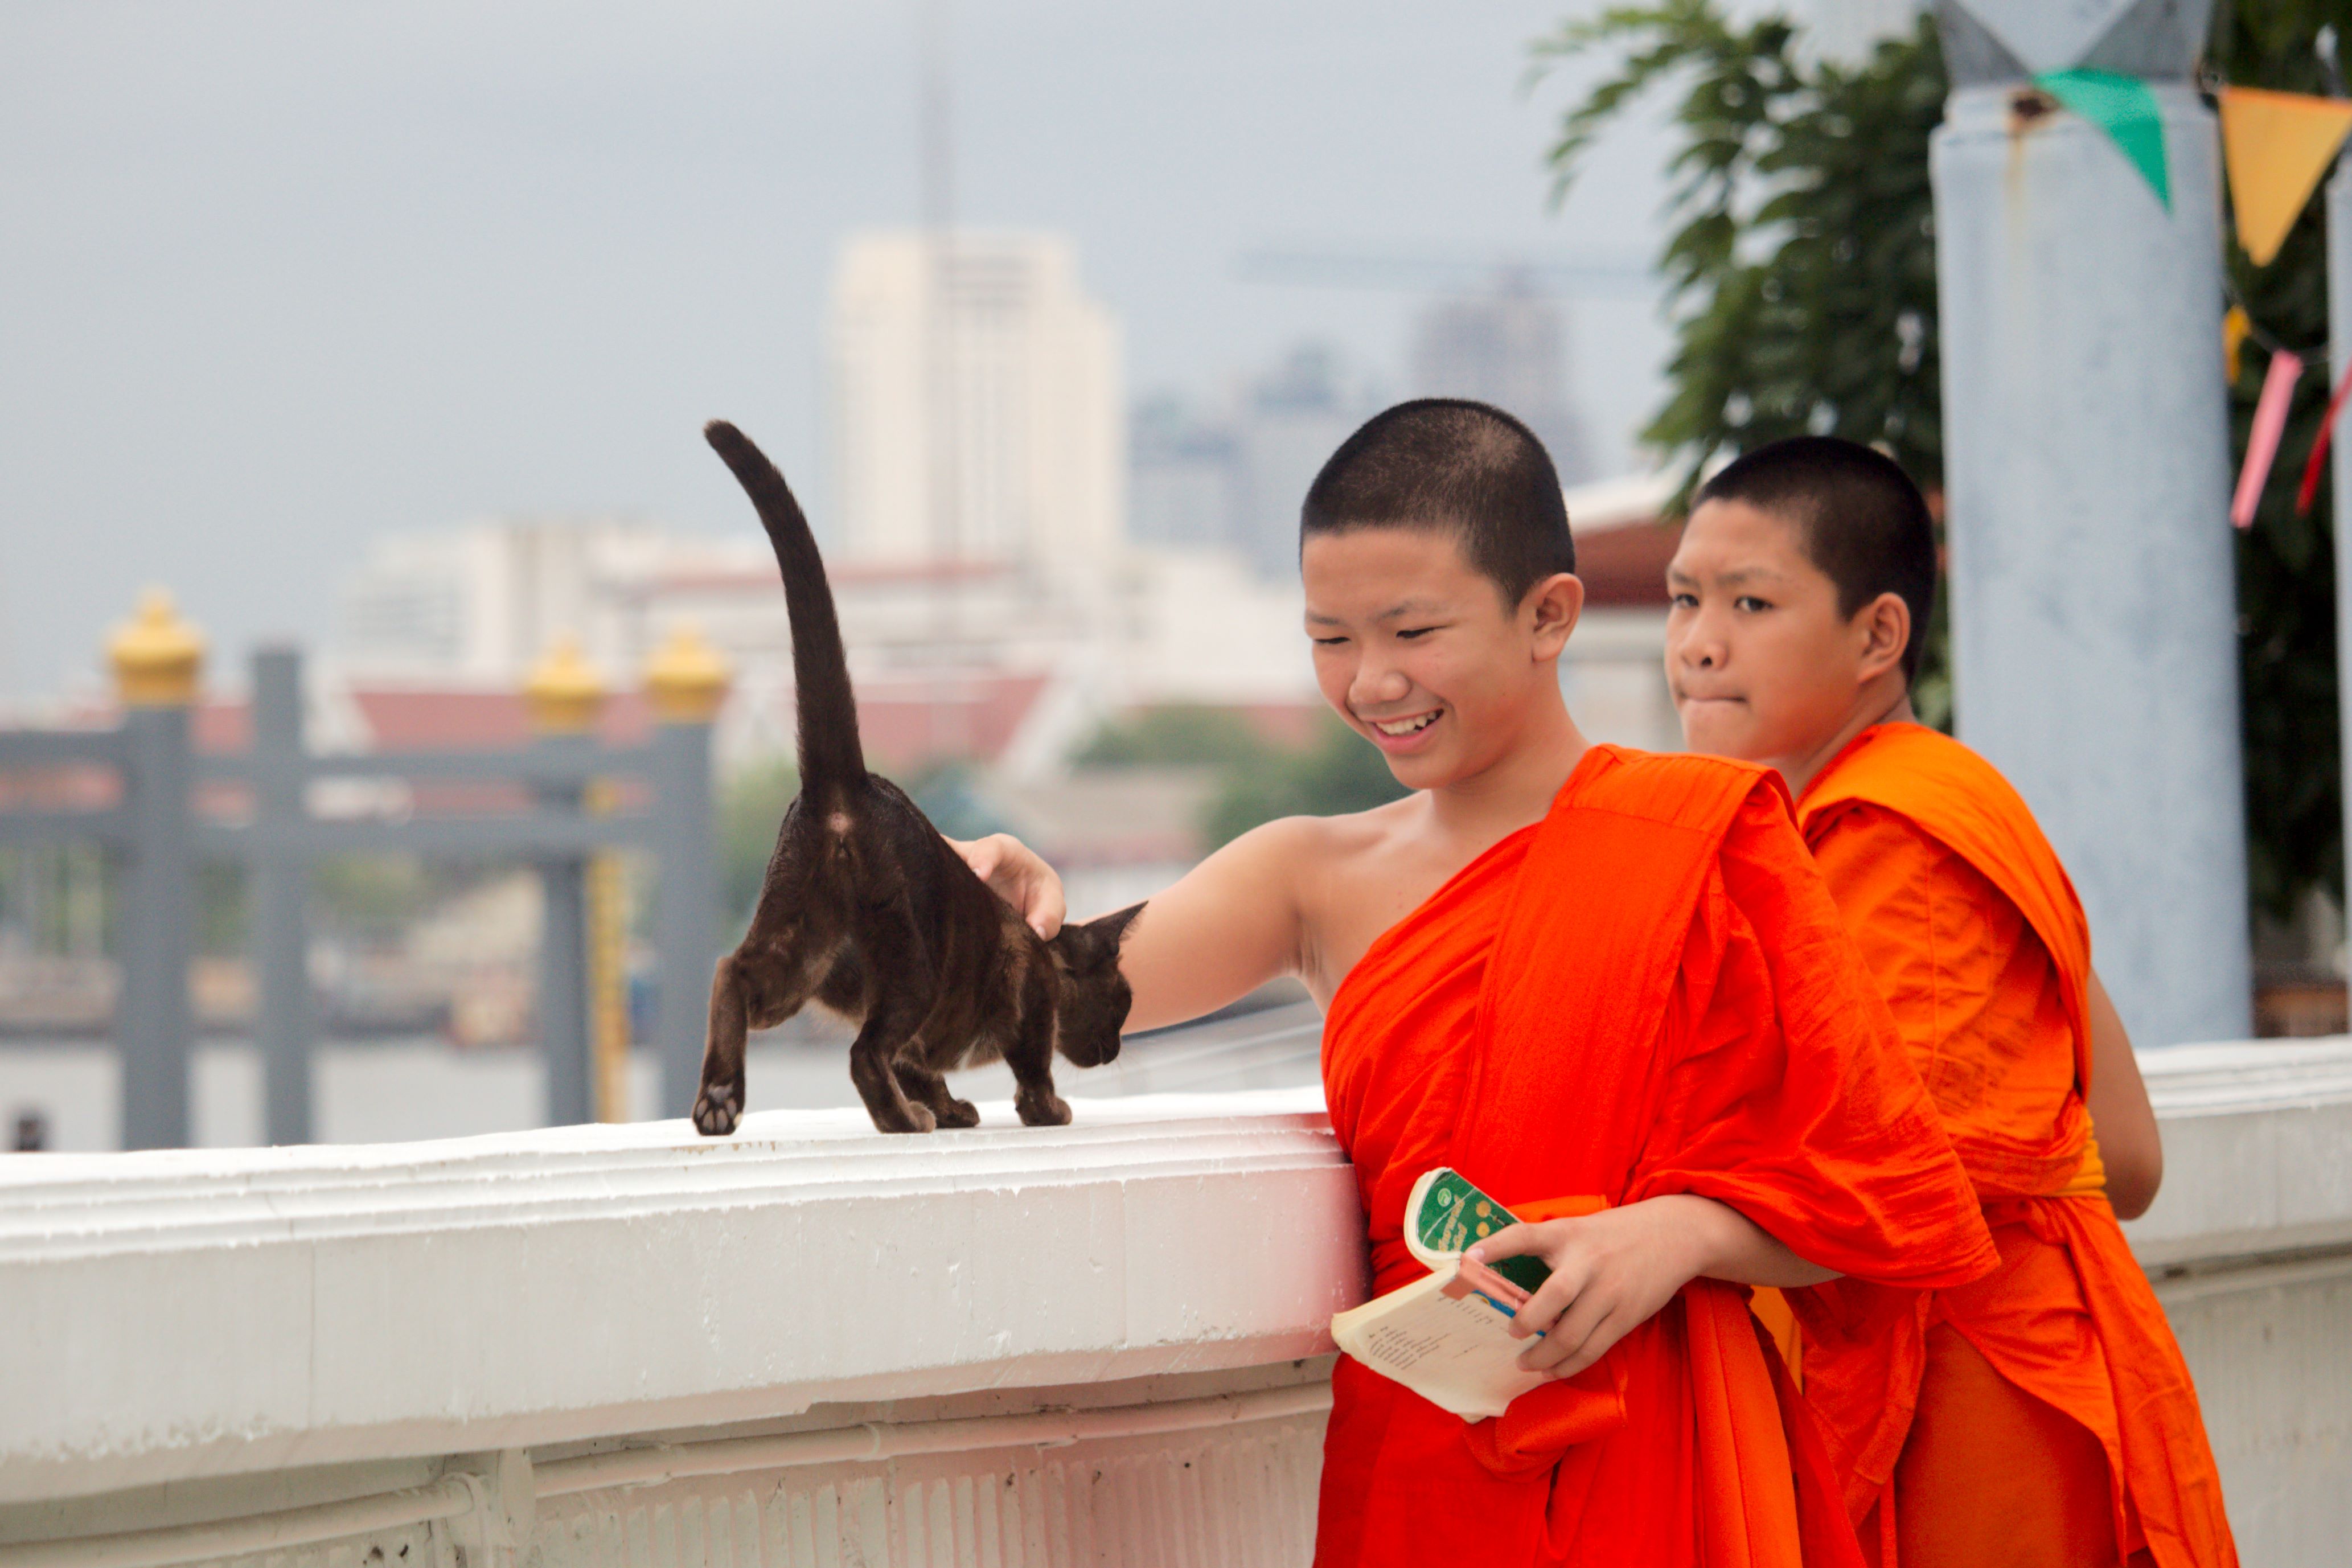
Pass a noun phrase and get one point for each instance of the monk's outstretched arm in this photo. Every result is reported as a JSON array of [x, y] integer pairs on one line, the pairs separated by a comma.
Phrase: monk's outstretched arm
[[1613, 1271], [1228, 926], [2130, 1147]]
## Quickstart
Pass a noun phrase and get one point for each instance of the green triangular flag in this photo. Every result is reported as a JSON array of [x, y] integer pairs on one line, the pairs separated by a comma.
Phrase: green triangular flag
[[2124, 107]]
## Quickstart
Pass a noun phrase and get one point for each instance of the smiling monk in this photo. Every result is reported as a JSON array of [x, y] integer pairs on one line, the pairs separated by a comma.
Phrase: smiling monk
[[1609, 987], [2042, 1416]]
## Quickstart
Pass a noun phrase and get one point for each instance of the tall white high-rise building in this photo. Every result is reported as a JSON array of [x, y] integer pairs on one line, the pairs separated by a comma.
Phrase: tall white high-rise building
[[975, 399]]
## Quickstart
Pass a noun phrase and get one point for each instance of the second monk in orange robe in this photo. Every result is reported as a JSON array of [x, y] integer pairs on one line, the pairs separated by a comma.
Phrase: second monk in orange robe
[[2043, 1414]]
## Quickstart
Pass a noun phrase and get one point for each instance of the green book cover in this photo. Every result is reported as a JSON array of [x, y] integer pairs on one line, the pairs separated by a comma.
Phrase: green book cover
[[1446, 1216]]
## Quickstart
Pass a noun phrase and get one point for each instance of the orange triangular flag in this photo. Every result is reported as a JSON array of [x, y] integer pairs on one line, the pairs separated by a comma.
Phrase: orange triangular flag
[[2278, 144]]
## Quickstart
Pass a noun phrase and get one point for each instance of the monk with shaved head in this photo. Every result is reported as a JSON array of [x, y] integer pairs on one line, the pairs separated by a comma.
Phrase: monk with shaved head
[[1608, 988], [2040, 1416]]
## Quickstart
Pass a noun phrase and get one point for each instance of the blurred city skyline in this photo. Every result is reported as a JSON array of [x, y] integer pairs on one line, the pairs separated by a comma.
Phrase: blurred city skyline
[[286, 278]]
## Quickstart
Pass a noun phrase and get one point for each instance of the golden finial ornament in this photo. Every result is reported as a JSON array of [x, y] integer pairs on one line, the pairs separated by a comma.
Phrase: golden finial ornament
[[564, 692], [685, 679], [156, 655]]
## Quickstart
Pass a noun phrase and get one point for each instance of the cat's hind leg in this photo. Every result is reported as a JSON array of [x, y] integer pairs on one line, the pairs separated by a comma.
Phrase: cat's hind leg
[[928, 1088], [902, 987], [719, 1104], [890, 1024], [752, 988]]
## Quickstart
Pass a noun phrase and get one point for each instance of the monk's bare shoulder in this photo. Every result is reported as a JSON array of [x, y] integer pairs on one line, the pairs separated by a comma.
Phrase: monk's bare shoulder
[[1305, 851], [1340, 876]]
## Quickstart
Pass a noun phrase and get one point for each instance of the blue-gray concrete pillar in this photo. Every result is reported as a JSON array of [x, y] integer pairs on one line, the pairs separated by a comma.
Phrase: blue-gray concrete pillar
[[154, 1023], [2094, 599], [686, 906], [279, 869], [563, 1039]]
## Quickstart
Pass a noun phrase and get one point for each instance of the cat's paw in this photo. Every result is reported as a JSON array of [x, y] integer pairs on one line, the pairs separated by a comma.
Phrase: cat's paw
[[717, 1108], [1041, 1109], [958, 1114], [917, 1119]]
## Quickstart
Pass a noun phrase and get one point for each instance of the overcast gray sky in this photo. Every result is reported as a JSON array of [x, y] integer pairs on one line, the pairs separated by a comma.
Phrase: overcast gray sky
[[277, 277]]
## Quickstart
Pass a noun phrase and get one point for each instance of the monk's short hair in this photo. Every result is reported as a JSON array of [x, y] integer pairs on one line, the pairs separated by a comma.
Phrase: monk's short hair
[[1448, 465], [1857, 514]]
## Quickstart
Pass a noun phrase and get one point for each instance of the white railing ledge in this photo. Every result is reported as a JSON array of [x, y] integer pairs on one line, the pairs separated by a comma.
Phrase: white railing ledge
[[211, 1312], [246, 1314], [2257, 1154]]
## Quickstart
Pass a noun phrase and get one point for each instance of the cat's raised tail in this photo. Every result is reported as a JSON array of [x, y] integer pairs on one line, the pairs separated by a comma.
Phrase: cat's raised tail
[[830, 752]]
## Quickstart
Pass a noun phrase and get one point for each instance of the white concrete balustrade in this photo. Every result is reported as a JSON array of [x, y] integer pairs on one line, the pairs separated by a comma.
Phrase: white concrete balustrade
[[630, 1348]]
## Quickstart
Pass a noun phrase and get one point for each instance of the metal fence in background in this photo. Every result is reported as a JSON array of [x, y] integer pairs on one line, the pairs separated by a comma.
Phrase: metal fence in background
[[572, 779]]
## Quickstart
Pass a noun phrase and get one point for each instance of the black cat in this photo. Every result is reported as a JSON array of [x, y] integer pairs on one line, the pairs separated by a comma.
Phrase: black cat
[[867, 910]]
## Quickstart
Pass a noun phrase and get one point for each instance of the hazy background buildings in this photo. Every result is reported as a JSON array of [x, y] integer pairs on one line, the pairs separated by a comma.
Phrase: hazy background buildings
[[292, 278], [390, 330]]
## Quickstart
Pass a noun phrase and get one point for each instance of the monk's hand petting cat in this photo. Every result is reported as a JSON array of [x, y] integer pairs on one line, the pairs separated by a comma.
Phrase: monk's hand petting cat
[[1018, 875], [1611, 1271]]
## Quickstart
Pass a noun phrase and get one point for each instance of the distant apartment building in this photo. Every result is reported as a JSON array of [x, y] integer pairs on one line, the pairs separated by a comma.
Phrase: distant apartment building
[[1506, 345], [1235, 479], [1293, 419], [478, 603], [975, 402], [995, 661], [1184, 478]]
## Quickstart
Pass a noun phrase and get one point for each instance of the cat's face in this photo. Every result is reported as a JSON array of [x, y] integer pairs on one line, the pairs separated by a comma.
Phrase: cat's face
[[1095, 994]]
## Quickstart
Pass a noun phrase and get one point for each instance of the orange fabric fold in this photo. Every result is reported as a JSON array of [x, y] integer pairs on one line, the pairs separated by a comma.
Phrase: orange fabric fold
[[2051, 1513], [1966, 918], [1647, 993]]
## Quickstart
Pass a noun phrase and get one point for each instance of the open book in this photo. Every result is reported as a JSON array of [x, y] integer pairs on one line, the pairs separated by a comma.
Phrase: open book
[[1447, 1337]]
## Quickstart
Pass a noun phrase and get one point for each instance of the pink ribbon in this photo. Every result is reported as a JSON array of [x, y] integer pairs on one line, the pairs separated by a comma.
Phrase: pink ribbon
[[2263, 441]]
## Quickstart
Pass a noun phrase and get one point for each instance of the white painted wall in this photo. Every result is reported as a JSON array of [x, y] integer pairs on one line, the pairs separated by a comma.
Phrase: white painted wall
[[814, 1345]]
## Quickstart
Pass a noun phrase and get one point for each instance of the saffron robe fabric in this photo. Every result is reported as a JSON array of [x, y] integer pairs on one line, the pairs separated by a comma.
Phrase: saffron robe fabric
[[1647, 993], [1965, 916]]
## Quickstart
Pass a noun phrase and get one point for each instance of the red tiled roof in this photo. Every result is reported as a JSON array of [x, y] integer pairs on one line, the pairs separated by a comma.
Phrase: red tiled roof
[[416, 719], [1625, 568], [906, 722], [761, 579]]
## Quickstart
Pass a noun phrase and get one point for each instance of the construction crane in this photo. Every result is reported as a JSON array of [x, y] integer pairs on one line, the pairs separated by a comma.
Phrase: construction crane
[[1436, 272]]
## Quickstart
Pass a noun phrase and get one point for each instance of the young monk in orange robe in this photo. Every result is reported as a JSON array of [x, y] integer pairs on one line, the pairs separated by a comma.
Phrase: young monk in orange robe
[[1608, 988], [2043, 1414]]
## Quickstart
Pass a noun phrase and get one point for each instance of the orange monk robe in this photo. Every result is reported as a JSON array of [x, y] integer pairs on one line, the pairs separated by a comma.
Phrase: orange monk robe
[[1647, 993], [1968, 921]]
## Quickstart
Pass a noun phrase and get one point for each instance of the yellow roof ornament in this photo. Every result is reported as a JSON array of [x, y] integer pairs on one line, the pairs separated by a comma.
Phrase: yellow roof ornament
[[685, 679], [156, 655], [564, 692]]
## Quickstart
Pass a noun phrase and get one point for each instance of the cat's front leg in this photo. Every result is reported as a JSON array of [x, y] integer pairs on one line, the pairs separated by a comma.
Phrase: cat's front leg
[[1029, 1055], [1040, 1107]]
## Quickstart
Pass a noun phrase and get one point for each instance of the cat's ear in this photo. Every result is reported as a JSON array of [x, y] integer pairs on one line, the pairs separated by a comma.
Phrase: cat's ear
[[1114, 926], [1095, 943]]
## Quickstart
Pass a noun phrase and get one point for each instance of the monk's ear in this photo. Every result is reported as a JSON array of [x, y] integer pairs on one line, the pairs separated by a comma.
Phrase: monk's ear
[[1550, 611], [1885, 624]]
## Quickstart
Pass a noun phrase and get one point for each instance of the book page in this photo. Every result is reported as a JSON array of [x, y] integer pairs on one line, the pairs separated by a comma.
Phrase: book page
[[1454, 1350]]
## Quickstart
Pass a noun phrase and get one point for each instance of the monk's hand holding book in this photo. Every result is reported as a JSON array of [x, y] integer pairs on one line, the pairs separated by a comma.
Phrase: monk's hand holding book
[[1612, 1271]]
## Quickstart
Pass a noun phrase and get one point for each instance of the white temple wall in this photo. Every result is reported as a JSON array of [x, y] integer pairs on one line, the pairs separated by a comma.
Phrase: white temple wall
[[628, 1348]]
